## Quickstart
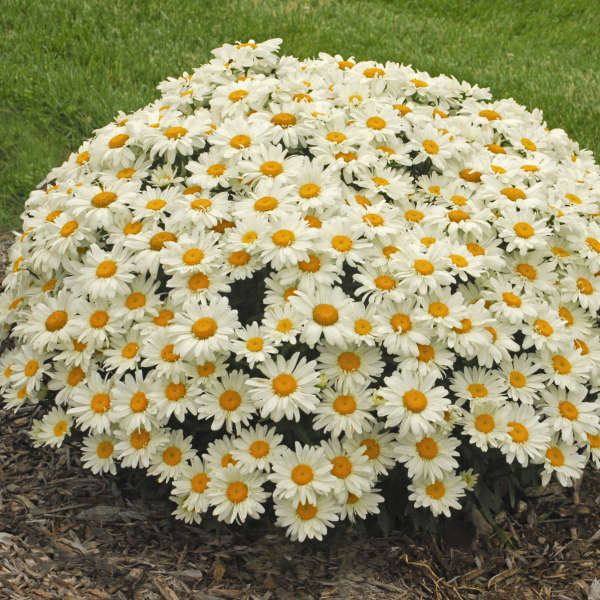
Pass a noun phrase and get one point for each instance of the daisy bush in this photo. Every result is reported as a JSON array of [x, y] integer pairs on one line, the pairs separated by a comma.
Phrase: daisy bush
[[286, 282]]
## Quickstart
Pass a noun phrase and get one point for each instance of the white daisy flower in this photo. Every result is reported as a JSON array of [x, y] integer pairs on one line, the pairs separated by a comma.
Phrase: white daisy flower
[[352, 470], [98, 454], [569, 415], [413, 403], [228, 402], [562, 459], [168, 461], [288, 387], [52, 429], [191, 484], [300, 475], [527, 438], [344, 411], [428, 457], [439, 496], [256, 447], [486, 424], [306, 520]]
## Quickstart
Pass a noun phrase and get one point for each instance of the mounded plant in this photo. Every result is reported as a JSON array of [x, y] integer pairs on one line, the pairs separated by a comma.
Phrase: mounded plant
[[288, 284]]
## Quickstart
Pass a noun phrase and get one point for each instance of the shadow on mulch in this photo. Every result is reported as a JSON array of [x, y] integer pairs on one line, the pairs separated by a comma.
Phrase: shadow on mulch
[[67, 534]]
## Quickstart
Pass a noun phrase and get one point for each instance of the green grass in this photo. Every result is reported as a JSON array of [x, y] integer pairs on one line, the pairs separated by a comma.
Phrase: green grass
[[68, 66]]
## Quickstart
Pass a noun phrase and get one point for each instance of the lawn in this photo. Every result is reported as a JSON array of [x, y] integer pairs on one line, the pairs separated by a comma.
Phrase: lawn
[[69, 65]]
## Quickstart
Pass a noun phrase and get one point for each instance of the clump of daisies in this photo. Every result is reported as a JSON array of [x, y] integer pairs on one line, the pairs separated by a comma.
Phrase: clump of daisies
[[286, 278]]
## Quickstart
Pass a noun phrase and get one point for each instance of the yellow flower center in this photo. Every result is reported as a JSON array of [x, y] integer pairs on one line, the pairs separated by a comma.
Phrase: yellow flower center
[[309, 190], [470, 175], [237, 95], [344, 404], [385, 282], [76, 375], [98, 319], [240, 141], [168, 355], [427, 448], [138, 402], [206, 370], [100, 403], [175, 391], [484, 423], [60, 428], [230, 400], [376, 123], [204, 328], [174, 133], [561, 365], [593, 243], [346, 156], [372, 448], [216, 170], [336, 137], [239, 258], [202, 204], [284, 384], [68, 228], [139, 439], [527, 271], [342, 243], [283, 120], [414, 400], [164, 317], [424, 267], [495, 149], [517, 379], [362, 327], [478, 390], [118, 141], [543, 327], [341, 467], [349, 361], [259, 449], [568, 410], [172, 456], [401, 322], [325, 314], [490, 115], [306, 511], [430, 147], [200, 483], [584, 286], [414, 216], [426, 352], [255, 344], [302, 474], [518, 433], [513, 193], [103, 199], [284, 325], [312, 265], [524, 230], [373, 72], [436, 490], [271, 168], [158, 240], [82, 158], [511, 299], [438, 310], [465, 326], [107, 268], [283, 237], [555, 456], [104, 449]]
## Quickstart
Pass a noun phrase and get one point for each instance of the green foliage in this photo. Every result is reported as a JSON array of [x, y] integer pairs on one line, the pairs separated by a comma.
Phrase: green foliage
[[70, 65]]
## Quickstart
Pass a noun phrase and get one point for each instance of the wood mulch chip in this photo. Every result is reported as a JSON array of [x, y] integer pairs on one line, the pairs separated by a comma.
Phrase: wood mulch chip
[[67, 534]]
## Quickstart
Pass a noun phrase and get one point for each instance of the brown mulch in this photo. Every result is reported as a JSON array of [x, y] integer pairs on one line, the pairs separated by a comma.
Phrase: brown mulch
[[65, 533]]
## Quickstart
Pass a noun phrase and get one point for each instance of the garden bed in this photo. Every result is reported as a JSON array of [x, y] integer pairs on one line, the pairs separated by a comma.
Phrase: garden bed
[[67, 534]]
